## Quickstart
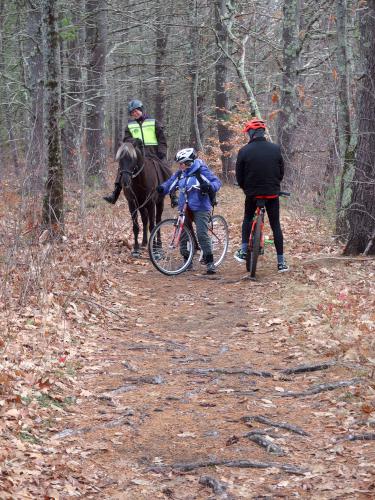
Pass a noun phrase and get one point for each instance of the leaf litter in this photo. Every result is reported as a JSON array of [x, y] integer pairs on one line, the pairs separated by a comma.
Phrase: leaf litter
[[91, 402]]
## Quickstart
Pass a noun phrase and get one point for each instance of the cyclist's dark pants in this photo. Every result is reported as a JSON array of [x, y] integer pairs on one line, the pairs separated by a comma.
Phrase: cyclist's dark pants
[[273, 212]]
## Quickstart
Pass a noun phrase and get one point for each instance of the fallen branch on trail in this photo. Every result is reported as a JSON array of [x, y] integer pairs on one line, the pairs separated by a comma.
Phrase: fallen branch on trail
[[308, 368], [367, 436], [227, 371], [71, 296], [279, 425], [265, 442], [316, 389], [217, 487], [242, 464]]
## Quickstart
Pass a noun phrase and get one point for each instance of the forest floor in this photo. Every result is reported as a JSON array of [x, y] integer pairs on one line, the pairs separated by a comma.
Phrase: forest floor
[[118, 382]]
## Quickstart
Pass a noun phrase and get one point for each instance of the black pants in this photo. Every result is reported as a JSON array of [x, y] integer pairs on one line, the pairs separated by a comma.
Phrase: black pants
[[273, 212]]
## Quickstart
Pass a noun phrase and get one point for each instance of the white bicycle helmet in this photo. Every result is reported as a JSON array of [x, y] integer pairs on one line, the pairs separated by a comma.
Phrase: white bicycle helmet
[[186, 155]]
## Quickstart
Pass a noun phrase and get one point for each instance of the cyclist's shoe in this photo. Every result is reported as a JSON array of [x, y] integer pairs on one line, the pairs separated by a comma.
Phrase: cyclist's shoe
[[240, 256], [113, 197], [211, 269], [283, 267]]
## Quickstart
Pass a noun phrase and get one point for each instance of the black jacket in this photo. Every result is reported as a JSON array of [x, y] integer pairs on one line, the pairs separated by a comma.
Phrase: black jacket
[[260, 168]]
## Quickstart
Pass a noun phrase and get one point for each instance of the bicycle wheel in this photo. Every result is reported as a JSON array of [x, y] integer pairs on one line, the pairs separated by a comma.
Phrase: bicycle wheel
[[169, 253], [254, 249], [219, 234]]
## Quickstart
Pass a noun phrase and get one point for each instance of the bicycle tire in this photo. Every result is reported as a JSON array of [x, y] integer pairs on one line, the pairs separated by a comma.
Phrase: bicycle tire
[[168, 258], [254, 251], [219, 234]]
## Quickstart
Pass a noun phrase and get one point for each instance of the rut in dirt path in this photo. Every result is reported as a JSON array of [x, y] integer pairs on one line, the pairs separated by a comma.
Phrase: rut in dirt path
[[212, 375]]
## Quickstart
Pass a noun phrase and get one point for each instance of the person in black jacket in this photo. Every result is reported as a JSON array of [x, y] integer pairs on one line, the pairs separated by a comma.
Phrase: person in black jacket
[[151, 133], [259, 172]]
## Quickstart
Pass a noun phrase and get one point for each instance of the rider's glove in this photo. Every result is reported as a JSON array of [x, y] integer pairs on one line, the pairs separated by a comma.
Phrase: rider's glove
[[205, 188], [160, 189]]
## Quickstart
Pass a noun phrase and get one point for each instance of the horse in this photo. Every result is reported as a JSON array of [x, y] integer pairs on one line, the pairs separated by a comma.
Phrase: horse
[[140, 176]]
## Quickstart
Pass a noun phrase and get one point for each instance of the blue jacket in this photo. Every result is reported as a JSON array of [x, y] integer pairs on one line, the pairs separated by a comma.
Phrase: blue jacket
[[185, 181]]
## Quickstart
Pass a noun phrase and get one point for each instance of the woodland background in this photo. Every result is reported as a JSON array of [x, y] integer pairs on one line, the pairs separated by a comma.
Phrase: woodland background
[[203, 68]]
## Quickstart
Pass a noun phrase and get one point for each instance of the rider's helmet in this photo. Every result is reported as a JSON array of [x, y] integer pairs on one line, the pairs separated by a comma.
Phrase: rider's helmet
[[186, 155], [135, 104], [254, 124]]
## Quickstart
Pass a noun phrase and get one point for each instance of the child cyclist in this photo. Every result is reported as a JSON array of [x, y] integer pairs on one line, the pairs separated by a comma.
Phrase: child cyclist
[[196, 180]]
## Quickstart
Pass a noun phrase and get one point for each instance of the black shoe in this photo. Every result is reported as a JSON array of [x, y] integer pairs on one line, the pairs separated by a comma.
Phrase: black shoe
[[211, 269]]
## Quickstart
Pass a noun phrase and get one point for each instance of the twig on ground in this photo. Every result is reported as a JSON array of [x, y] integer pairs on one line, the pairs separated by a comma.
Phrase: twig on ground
[[243, 464], [308, 368], [227, 371], [316, 389], [280, 425]]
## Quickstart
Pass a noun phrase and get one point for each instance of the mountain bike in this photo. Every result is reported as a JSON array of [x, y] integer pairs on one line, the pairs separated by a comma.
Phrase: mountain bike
[[257, 241], [173, 243]]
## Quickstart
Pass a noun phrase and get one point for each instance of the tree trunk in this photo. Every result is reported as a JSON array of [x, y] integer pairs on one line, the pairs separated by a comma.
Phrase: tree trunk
[[346, 153], [53, 203], [222, 104], [161, 45], [361, 212], [288, 114], [95, 96], [35, 154]]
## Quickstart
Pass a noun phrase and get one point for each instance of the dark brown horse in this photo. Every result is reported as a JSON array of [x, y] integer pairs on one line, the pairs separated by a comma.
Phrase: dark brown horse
[[139, 179]]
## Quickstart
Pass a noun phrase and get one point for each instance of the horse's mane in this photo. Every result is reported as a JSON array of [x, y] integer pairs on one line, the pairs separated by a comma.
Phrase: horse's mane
[[126, 150]]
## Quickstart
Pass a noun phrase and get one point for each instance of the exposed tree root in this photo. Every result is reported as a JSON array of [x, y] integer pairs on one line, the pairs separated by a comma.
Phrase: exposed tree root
[[217, 487], [265, 442], [242, 464], [308, 368], [367, 436], [228, 371], [279, 425], [316, 389]]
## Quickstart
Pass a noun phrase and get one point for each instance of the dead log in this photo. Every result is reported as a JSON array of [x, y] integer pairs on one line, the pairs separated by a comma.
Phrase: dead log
[[279, 425], [316, 389], [227, 371], [242, 464], [308, 368], [265, 442]]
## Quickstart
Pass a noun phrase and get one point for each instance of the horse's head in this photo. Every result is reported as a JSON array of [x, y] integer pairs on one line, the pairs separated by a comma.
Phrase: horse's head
[[130, 157]]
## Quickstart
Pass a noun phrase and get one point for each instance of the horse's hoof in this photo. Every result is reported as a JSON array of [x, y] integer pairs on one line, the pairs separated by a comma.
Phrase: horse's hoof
[[136, 253]]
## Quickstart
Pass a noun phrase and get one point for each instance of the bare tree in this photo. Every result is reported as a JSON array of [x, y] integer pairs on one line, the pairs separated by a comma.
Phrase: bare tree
[[95, 95], [361, 212], [53, 203]]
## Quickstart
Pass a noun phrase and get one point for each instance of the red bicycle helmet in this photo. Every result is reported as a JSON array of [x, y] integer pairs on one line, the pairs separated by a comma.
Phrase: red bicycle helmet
[[254, 124]]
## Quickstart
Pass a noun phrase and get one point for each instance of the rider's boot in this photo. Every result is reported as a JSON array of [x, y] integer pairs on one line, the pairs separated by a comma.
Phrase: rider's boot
[[113, 197], [209, 258]]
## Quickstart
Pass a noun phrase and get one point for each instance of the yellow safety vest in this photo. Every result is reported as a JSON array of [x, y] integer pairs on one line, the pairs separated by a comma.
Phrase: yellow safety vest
[[146, 131]]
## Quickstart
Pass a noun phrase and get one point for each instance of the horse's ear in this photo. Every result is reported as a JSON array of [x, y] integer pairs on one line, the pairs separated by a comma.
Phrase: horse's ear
[[119, 152], [138, 143]]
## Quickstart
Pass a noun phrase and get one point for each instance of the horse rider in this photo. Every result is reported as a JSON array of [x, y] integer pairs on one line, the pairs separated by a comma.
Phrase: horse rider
[[151, 133]]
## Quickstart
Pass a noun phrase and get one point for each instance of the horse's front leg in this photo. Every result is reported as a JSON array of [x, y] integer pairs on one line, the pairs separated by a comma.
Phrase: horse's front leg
[[134, 215], [151, 215], [145, 221]]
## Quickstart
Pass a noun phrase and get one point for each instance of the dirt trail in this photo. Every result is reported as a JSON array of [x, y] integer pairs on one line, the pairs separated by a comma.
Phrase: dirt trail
[[166, 394], [181, 366]]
